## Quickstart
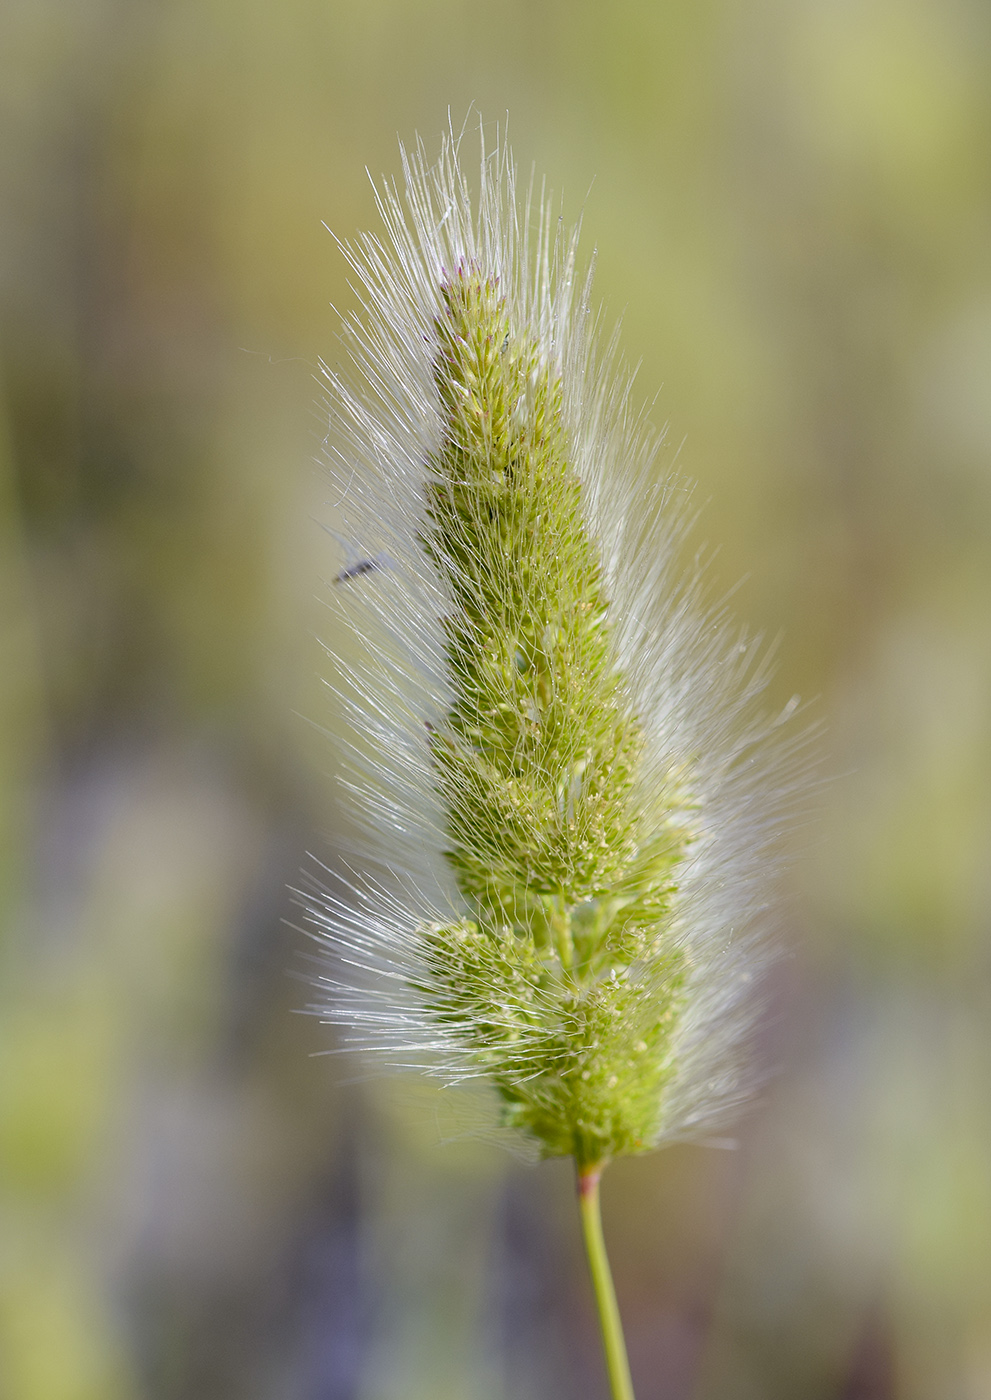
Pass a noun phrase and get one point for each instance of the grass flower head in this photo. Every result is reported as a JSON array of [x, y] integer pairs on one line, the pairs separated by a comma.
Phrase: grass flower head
[[557, 744]]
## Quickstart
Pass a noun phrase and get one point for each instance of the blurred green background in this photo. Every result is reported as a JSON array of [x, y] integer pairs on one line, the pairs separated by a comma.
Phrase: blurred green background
[[791, 203]]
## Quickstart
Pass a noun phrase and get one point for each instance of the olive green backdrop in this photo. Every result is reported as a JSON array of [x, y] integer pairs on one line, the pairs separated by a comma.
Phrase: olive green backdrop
[[791, 203]]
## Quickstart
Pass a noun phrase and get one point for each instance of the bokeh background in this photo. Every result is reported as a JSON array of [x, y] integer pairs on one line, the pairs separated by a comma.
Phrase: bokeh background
[[791, 202]]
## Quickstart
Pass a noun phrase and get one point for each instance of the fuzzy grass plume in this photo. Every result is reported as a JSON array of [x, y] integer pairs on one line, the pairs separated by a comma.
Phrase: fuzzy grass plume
[[570, 797]]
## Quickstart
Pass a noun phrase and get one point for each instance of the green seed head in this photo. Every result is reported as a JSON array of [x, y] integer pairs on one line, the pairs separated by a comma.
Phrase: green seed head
[[568, 879], [565, 760]]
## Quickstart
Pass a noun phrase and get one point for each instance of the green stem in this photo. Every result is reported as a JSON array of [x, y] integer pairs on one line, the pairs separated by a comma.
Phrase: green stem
[[613, 1343]]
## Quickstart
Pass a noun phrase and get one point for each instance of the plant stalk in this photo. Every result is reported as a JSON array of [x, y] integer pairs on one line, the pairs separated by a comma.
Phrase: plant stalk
[[613, 1343]]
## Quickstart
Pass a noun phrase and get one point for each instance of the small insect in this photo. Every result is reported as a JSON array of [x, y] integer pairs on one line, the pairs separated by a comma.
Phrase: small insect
[[363, 566], [360, 564]]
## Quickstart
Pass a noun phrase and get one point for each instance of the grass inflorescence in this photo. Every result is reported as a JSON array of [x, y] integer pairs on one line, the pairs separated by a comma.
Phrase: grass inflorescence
[[571, 799]]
